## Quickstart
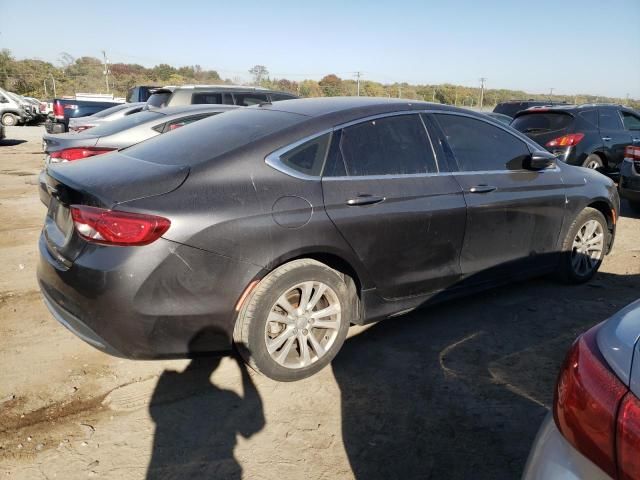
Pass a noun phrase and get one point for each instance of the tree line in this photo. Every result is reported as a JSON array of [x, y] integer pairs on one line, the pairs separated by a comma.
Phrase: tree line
[[36, 78]]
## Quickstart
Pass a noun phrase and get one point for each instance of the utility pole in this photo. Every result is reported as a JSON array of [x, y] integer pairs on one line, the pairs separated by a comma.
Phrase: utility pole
[[551, 92], [433, 97], [455, 102], [482, 80], [106, 69], [399, 91], [358, 74]]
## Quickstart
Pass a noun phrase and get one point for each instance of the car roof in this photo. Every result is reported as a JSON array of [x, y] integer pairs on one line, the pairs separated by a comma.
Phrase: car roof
[[199, 107], [322, 106]]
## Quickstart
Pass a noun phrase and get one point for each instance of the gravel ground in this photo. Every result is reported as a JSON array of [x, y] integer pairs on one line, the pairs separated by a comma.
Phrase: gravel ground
[[455, 391]]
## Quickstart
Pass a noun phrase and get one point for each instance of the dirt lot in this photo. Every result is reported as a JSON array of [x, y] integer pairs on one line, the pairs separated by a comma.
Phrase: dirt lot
[[455, 391]]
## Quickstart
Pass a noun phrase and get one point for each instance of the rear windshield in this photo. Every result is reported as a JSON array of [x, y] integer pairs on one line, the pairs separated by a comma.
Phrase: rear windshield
[[212, 137], [542, 122], [109, 128], [158, 99]]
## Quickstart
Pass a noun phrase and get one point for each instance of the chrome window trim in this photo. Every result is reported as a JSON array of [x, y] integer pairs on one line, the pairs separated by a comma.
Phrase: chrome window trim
[[274, 161]]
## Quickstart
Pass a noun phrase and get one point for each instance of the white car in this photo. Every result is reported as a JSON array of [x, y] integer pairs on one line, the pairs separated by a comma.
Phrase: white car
[[594, 430]]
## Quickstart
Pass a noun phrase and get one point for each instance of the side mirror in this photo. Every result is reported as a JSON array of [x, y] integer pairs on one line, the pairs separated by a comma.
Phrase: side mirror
[[541, 160]]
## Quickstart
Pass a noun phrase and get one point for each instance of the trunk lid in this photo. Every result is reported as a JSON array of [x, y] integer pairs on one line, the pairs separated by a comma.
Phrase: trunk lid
[[105, 182]]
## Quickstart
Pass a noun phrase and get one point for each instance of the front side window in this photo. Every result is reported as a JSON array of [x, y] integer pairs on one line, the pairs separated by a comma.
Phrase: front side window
[[631, 122], [480, 146], [609, 119], [396, 145]]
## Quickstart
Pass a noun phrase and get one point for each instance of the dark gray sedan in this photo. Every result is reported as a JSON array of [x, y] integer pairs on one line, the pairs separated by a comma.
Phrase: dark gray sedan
[[277, 226]]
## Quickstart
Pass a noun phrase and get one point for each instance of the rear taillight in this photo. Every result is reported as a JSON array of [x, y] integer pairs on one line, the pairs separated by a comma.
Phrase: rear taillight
[[586, 402], [71, 154], [632, 153], [81, 129], [628, 438], [566, 140], [58, 110], [112, 227]]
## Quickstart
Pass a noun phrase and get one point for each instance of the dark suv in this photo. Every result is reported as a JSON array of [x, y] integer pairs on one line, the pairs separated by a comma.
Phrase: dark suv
[[512, 107], [216, 94], [592, 136]]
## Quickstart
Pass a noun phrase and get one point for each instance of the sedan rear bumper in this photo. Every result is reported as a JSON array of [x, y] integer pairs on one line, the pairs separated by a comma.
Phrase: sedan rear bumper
[[553, 458], [163, 300]]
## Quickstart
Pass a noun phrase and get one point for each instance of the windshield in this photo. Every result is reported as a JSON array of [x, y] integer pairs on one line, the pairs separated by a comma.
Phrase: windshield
[[159, 100], [109, 128], [542, 122]]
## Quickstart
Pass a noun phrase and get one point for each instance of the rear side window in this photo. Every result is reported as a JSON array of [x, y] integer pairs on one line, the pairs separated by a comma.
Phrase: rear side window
[[609, 119], [308, 157], [480, 146], [542, 122], [214, 98], [396, 145], [248, 99], [180, 122], [631, 122]]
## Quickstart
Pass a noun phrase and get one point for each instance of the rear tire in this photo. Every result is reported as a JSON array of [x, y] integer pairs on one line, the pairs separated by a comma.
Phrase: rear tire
[[9, 120], [594, 162], [584, 247], [295, 320]]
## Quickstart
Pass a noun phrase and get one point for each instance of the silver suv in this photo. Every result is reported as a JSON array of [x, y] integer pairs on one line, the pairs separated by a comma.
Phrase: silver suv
[[215, 94]]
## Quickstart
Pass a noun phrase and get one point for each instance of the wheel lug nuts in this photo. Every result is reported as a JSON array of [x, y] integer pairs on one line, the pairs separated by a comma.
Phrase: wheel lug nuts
[[305, 331]]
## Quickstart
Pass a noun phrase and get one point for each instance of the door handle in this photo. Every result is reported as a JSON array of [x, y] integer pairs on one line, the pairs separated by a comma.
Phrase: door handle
[[364, 199], [606, 139], [482, 189]]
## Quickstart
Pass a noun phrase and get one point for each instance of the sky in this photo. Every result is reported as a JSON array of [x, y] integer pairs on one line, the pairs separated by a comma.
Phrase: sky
[[572, 46]]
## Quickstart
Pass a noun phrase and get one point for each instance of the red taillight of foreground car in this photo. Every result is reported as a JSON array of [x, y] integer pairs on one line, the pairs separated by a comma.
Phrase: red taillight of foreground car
[[112, 227], [628, 438], [71, 154], [586, 402], [566, 140], [81, 128]]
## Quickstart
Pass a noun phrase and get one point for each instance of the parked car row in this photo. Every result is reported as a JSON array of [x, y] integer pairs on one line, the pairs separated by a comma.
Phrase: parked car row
[[17, 110]]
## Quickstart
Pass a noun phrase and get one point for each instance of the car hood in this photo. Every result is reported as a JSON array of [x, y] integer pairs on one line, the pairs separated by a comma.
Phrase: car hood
[[618, 339]]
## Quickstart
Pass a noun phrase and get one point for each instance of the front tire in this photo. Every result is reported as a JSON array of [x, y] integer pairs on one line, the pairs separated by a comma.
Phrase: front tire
[[584, 247], [9, 120], [295, 320]]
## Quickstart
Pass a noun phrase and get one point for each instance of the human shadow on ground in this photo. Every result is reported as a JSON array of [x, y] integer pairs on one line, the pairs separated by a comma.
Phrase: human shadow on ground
[[197, 423], [458, 390]]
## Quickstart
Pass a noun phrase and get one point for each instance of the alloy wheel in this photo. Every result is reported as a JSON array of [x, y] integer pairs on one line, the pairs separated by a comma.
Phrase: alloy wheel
[[303, 324], [588, 248]]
